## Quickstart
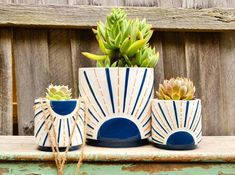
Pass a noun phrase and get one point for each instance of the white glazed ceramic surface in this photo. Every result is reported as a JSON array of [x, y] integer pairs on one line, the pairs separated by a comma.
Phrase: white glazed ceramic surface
[[63, 125], [117, 93], [172, 116]]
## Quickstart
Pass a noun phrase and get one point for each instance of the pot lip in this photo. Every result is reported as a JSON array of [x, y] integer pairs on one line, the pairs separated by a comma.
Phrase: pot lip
[[45, 99], [114, 68], [158, 100]]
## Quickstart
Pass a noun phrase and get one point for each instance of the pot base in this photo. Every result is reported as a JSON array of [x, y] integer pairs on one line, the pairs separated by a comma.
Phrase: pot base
[[117, 144], [175, 147], [61, 149]]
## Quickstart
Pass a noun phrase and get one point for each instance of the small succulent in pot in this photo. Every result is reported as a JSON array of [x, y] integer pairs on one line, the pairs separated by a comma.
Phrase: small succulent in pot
[[176, 89], [176, 115], [118, 92], [54, 118]]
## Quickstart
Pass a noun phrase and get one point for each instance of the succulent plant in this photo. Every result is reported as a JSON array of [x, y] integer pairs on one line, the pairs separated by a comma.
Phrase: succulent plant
[[58, 92], [176, 89], [124, 42]]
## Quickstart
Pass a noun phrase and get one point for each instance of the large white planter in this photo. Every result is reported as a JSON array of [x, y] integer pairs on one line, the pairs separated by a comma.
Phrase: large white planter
[[118, 105], [64, 117], [176, 124]]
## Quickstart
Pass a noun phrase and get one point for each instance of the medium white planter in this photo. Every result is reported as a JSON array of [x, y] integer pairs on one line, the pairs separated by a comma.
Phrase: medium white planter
[[176, 124], [64, 116], [118, 105]]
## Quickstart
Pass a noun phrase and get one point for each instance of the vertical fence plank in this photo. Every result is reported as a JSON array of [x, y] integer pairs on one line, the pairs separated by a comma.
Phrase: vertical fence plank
[[59, 44], [32, 73], [156, 41], [173, 54], [32, 70], [6, 101], [227, 72]]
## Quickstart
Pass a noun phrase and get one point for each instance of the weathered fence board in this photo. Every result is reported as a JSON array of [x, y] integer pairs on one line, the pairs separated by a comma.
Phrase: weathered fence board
[[32, 73], [77, 17], [6, 102], [54, 55]]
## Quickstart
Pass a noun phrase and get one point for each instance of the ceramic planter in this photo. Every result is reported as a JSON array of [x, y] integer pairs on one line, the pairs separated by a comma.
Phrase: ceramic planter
[[63, 114], [118, 105], [176, 124]]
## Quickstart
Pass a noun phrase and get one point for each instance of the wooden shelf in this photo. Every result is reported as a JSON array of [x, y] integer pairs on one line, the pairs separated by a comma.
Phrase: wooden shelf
[[64, 16], [211, 149]]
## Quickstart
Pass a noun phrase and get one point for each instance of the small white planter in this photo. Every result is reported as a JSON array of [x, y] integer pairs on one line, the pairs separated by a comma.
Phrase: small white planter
[[176, 124], [118, 105], [63, 117]]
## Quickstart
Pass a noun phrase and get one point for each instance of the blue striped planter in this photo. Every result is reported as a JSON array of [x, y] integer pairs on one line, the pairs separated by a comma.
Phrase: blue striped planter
[[176, 124], [64, 117], [118, 105]]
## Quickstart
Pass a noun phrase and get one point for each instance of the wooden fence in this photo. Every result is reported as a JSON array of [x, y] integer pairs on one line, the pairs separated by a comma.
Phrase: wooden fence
[[41, 43]]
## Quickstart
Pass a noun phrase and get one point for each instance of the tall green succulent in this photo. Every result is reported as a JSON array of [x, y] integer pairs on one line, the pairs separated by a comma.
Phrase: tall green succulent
[[124, 42]]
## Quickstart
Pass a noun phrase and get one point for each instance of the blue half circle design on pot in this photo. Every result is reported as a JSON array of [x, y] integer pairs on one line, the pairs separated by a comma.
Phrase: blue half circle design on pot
[[176, 124], [64, 118], [63, 107], [180, 138], [118, 129], [121, 96]]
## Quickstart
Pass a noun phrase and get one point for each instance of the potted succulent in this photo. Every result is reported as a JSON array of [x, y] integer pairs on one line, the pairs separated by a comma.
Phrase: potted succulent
[[60, 118], [118, 92], [176, 115]]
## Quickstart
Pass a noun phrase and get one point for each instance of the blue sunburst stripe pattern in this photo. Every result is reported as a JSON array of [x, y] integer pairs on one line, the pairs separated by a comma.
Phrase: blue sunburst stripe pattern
[[146, 122], [158, 133], [39, 113], [159, 123], [45, 139], [157, 141], [194, 115], [62, 133], [42, 125], [197, 124], [126, 96], [78, 128], [186, 113], [90, 126], [68, 125], [110, 88], [148, 133], [191, 121], [164, 116], [59, 129], [125, 88], [93, 115], [176, 116], [147, 102], [89, 84], [140, 90]]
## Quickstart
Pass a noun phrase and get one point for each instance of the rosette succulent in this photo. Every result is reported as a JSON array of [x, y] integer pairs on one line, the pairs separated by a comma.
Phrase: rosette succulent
[[124, 42], [176, 89], [58, 92]]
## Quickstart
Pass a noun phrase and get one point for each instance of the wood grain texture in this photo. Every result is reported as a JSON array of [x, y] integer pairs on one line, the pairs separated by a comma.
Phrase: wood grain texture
[[227, 83], [211, 149], [76, 17], [59, 46], [6, 101], [32, 73], [156, 41]]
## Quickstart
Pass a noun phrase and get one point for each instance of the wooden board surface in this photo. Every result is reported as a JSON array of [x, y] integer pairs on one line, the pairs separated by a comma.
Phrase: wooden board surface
[[76, 17], [211, 149]]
